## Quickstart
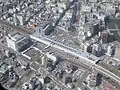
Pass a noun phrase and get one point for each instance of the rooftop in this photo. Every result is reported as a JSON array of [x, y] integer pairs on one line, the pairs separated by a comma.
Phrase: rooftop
[[64, 47], [16, 36]]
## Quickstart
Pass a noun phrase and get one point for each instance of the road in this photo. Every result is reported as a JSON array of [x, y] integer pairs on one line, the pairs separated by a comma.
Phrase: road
[[17, 28], [110, 68], [86, 61], [67, 50], [59, 83]]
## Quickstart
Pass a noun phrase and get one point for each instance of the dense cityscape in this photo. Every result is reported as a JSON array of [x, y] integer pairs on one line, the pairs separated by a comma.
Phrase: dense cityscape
[[60, 44]]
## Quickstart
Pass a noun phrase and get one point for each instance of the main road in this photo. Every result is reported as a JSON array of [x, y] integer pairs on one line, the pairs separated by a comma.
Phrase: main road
[[18, 28], [67, 50], [74, 52]]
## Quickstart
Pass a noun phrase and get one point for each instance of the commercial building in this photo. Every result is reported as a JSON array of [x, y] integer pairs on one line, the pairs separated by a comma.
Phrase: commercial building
[[17, 42], [110, 50], [117, 52], [104, 36], [97, 50]]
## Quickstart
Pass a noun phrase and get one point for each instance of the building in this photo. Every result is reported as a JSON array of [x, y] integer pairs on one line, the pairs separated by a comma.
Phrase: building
[[52, 58], [17, 42], [24, 63], [93, 1], [86, 9], [67, 3], [108, 1], [86, 47], [3, 67], [97, 49], [94, 28], [117, 52], [20, 19], [110, 50], [104, 36], [110, 10], [95, 79], [76, 13], [47, 29]]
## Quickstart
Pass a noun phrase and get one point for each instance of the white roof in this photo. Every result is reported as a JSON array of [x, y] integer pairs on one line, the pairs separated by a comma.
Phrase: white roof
[[86, 9], [16, 36]]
